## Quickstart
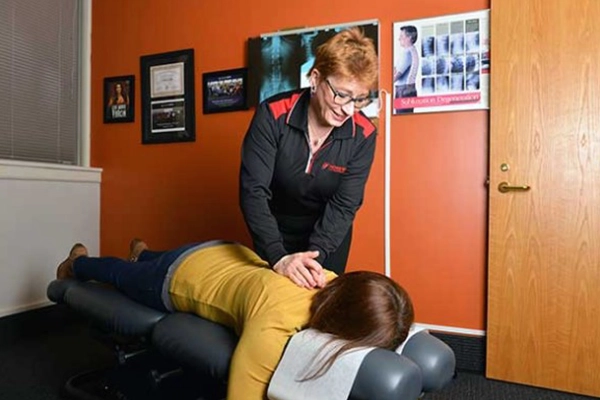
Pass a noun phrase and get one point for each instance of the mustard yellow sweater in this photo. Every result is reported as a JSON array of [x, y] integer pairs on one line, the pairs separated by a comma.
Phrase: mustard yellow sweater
[[229, 284]]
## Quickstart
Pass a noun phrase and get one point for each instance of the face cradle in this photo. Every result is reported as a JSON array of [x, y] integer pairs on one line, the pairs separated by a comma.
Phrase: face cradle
[[335, 90]]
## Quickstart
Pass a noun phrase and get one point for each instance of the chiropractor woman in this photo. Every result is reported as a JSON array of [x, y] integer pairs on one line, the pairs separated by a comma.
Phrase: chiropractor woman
[[305, 161]]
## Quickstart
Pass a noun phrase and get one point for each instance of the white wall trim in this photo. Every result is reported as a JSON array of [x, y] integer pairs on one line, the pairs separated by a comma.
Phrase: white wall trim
[[25, 308], [295, 31], [451, 329], [85, 102], [25, 170], [387, 112]]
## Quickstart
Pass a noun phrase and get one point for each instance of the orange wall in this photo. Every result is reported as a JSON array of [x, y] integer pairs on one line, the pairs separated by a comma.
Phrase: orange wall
[[175, 193]]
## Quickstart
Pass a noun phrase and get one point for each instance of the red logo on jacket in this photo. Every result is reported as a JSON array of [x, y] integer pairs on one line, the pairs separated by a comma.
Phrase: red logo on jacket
[[338, 169]]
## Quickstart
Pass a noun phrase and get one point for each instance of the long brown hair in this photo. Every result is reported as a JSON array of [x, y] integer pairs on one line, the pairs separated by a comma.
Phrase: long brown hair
[[364, 309]]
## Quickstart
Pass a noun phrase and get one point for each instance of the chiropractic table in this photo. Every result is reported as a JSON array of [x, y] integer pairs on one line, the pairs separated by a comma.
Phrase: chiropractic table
[[201, 349]]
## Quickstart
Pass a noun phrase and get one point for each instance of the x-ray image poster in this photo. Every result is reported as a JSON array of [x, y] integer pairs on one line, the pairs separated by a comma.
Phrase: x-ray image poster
[[442, 63], [280, 61]]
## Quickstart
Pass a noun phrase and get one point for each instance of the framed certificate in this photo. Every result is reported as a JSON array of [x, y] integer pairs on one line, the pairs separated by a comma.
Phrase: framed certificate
[[167, 80], [168, 97]]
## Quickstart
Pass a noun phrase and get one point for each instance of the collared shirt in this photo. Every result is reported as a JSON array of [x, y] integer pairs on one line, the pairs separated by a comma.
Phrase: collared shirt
[[281, 183]]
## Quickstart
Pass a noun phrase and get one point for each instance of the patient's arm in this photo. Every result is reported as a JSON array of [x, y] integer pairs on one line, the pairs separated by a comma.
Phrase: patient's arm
[[255, 358]]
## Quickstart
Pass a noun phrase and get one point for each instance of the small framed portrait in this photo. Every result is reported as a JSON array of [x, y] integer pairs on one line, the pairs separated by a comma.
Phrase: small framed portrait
[[119, 99], [168, 97], [224, 91]]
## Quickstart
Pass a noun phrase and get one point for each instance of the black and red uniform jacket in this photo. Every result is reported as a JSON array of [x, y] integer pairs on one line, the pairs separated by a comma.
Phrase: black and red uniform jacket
[[294, 202]]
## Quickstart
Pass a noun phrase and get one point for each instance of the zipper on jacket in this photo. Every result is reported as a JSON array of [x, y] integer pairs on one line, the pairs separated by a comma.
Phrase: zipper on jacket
[[312, 156]]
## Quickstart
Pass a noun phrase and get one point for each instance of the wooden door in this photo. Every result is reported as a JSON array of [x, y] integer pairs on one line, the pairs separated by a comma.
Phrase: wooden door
[[544, 243]]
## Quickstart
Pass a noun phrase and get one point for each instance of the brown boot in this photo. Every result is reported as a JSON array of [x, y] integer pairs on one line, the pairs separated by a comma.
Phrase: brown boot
[[136, 246], [65, 268]]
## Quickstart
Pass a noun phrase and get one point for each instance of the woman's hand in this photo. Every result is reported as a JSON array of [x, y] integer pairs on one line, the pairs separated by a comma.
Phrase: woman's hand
[[302, 269]]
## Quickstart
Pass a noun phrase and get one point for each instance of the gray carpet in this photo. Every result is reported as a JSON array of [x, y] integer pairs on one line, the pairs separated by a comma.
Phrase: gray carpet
[[35, 367], [469, 386]]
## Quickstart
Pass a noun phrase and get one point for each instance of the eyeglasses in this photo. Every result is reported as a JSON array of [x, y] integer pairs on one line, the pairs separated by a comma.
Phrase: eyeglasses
[[341, 99]]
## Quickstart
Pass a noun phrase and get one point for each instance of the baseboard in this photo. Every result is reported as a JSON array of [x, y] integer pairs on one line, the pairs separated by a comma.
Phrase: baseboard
[[31, 323], [469, 350]]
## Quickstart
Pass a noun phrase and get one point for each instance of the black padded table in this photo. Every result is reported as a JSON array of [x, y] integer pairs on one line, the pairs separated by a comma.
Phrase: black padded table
[[426, 364]]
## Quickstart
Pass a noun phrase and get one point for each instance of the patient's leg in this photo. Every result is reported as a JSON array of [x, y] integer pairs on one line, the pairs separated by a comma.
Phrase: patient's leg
[[65, 268], [142, 281], [136, 247], [148, 255], [138, 251]]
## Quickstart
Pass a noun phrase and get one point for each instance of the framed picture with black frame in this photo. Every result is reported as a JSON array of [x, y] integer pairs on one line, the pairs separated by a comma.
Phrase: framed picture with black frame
[[225, 90], [168, 111], [119, 99]]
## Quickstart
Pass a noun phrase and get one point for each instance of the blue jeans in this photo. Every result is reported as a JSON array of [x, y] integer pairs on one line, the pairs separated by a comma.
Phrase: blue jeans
[[142, 281]]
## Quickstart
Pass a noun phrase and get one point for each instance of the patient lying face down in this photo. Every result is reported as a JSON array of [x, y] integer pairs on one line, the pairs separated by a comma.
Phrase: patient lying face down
[[229, 284]]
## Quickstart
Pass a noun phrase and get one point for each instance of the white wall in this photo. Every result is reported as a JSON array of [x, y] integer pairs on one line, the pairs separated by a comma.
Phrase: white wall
[[44, 209]]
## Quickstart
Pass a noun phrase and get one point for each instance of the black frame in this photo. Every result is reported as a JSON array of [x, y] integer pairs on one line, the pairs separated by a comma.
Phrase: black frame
[[168, 126], [217, 103], [113, 113]]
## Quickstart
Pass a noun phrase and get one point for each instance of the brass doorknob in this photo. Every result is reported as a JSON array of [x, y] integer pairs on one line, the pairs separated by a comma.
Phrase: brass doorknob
[[505, 187]]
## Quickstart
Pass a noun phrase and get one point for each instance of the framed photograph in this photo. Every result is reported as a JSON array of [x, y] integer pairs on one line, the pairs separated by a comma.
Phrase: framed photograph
[[224, 91], [168, 111], [279, 61], [119, 97]]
